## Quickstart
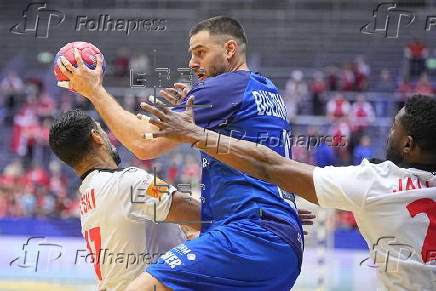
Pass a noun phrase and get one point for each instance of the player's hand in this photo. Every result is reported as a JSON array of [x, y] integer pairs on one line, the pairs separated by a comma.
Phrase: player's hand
[[82, 79], [173, 95], [306, 217], [178, 126]]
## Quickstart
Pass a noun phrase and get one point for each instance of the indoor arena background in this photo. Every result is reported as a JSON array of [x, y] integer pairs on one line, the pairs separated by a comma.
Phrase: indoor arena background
[[343, 68]]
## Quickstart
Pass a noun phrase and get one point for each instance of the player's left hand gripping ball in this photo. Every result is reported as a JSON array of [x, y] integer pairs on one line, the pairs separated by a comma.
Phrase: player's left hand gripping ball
[[88, 54]]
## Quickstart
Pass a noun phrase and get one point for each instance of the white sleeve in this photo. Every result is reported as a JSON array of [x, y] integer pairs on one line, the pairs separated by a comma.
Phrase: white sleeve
[[146, 197], [344, 188]]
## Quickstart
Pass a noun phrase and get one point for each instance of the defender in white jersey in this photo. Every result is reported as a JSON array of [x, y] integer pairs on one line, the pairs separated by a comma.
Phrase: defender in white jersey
[[119, 208], [394, 202]]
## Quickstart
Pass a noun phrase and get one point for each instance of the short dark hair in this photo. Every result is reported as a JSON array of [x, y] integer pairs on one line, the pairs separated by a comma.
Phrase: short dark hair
[[221, 25], [419, 121], [70, 136]]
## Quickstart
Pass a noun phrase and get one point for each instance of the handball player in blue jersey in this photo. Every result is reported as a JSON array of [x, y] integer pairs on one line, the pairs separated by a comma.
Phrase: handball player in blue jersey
[[255, 238]]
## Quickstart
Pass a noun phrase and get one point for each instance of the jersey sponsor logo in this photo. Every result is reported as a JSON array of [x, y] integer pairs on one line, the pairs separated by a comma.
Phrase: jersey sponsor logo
[[157, 188], [87, 201], [408, 184], [269, 103]]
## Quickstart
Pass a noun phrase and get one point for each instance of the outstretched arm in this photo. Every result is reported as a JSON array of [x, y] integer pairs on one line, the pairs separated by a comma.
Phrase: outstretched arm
[[124, 125], [254, 159], [258, 161]]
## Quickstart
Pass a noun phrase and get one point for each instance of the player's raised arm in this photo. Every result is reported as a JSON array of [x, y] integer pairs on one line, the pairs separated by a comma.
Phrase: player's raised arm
[[254, 159], [128, 129]]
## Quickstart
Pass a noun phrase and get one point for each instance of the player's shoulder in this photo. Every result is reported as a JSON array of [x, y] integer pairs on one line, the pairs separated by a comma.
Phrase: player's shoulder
[[225, 82], [378, 165], [368, 167], [134, 173], [384, 167]]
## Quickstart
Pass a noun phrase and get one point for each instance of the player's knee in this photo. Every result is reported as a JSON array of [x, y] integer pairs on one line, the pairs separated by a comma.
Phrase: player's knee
[[146, 282]]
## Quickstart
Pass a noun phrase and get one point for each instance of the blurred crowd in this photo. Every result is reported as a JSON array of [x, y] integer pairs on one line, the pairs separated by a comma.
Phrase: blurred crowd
[[33, 182], [348, 99]]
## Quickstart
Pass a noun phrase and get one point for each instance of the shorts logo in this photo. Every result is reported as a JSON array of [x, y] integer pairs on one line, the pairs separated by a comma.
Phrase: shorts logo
[[191, 257], [171, 259]]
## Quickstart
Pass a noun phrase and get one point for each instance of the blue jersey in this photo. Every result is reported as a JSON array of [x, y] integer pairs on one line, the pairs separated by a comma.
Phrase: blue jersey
[[244, 105]]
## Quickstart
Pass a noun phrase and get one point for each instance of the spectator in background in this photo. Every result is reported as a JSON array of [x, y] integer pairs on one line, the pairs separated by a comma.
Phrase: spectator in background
[[4, 201], [332, 78], [363, 150], [362, 114], [58, 181], [175, 168], [45, 105], [37, 176], [317, 89], [405, 90], [140, 63], [11, 83], [122, 63], [323, 154], [362, 71], [27, 201], [424, 86], [416, 53], [45, 202], [11, 87], [39, 136], [338, 107], [295, 92], [12, 174], [385, 83], [348, 79], [24, 124], [341, 133], [191, 171], [63, 207]]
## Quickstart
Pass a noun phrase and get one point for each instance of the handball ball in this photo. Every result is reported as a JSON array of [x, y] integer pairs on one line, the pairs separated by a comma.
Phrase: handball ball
[[87, 51]]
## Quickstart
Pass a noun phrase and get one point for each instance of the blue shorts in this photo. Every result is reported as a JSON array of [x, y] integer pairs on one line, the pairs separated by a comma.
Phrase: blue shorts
[[242, 255]]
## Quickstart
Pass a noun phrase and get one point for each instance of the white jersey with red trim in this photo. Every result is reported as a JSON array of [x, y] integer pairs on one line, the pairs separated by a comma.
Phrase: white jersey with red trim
[[117, 210], [395, 209]]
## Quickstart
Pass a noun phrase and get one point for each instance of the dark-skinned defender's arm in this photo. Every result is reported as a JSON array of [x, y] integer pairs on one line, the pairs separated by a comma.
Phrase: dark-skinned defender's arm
[[256, 160]]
